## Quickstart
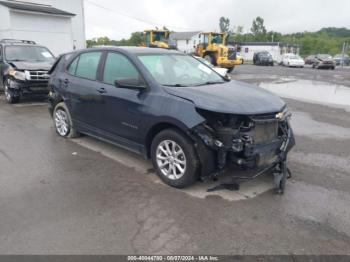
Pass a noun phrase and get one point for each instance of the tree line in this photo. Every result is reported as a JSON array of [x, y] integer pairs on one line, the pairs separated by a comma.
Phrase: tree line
[[327, 40]]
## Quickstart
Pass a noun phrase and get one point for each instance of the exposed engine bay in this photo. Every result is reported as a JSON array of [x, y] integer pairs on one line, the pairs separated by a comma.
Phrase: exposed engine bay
[[258, 142]]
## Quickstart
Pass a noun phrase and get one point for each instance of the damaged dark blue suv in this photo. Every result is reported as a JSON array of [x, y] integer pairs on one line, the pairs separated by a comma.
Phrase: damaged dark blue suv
[[192, 122]]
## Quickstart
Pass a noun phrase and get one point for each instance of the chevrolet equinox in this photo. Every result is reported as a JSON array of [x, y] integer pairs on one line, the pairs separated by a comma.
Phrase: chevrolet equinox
[[168, 106]]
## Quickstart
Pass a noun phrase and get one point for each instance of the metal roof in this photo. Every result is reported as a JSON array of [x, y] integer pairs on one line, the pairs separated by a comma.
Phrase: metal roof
[[267, 44], [32, 7], [183, 35]]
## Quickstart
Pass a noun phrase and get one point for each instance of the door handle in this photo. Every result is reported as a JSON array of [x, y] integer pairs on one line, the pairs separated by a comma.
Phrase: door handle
[[102, 90]]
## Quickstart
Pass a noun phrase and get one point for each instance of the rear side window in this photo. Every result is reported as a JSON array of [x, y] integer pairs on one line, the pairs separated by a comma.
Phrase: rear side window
[[88, 65], [118, 67], [73, 66], [0, 53]]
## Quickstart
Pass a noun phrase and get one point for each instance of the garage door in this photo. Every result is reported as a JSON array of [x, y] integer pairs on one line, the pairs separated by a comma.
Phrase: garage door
[[48, 30]]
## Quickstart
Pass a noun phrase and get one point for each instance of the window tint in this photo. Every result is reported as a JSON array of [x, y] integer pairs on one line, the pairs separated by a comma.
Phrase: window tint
[[73, 66], [118, 67], [88, 65]]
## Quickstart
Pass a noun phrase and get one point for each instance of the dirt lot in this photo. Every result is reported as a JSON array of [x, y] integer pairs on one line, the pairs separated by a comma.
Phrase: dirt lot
[[83, 196]]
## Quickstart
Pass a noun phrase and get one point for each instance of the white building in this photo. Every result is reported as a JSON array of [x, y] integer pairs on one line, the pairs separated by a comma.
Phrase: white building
[[247, 49], [186, 41], [56, 24]]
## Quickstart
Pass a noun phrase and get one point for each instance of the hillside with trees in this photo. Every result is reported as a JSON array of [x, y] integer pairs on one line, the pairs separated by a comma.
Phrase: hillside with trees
[[327, 40]]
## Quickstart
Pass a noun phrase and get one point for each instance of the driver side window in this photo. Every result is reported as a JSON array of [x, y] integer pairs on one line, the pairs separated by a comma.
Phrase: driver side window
[[118, 67]]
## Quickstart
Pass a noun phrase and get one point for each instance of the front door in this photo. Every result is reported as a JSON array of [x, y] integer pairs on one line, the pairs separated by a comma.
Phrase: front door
[[123, 108]]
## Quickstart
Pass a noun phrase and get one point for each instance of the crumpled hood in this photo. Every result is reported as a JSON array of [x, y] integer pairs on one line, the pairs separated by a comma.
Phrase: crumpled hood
[[234, 97], [26, 65]]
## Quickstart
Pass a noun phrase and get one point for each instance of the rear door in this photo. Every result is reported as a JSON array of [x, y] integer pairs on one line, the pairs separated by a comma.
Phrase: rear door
[[83, 89]]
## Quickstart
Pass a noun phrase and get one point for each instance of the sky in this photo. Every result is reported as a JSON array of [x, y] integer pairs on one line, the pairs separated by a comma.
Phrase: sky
[[117, 19]]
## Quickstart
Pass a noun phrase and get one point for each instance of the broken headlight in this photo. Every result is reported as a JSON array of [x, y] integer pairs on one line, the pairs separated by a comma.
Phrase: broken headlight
[[284, 115], [18, 75]]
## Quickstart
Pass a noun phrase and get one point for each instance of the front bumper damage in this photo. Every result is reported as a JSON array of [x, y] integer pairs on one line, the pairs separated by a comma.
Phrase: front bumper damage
[[29, 88], [259, 143]]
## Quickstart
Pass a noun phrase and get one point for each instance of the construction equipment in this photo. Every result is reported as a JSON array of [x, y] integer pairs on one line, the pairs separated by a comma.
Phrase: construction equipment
[[214, 49], [157, 39]]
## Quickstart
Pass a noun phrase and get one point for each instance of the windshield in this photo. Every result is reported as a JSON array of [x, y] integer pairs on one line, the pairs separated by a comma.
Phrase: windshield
[[200, 59], [295, 57], [159, 36], [341, 56], [266, 55], [217, 39], [179, 70], [28, 53], [322, 56]]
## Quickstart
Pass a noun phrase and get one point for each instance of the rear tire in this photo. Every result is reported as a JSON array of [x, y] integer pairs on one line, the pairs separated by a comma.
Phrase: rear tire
[[63, 122], [174, 158]]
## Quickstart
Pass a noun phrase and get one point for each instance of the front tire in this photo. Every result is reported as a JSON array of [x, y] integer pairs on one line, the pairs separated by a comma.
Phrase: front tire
[[63, 122], [9, 95], [174, 158], [230, 70]]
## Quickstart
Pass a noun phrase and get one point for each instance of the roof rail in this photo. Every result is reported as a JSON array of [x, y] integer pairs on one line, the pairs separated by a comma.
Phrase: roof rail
[[18, 41]]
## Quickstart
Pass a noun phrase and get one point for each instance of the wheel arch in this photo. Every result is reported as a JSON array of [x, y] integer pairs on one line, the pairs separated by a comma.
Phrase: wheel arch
[[54, 100], [159, 127]]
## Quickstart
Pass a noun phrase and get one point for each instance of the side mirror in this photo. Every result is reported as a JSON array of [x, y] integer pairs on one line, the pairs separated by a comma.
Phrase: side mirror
[[130, 83]]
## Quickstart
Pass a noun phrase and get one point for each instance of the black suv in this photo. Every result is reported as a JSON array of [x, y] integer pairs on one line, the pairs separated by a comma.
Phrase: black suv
[[23, 69], [263, 58], [192, 122]]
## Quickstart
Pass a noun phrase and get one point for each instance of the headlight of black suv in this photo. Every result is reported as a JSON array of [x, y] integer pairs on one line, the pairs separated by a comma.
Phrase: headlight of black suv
[[18, 75]]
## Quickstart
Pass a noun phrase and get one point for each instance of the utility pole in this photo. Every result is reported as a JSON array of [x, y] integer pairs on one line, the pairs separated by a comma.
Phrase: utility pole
[[343, 55]]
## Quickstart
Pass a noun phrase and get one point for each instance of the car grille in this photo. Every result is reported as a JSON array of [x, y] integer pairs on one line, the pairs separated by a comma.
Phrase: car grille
[[265, 130], [38, 75], [232, 54]]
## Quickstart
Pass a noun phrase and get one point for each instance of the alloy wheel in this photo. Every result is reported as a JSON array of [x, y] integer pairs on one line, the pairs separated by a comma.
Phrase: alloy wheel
[[61, 122], [171, 159]]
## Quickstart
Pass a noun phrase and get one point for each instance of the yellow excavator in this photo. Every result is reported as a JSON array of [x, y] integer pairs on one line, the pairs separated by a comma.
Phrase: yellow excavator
[[157, 39], [214, 49]]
